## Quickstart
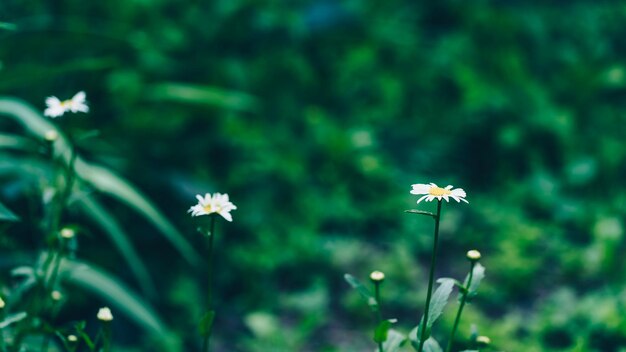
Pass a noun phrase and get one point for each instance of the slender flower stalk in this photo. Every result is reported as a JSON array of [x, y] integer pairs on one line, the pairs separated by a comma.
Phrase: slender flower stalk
[[433, 259], [473, 257], [207, 335], [377, 278]]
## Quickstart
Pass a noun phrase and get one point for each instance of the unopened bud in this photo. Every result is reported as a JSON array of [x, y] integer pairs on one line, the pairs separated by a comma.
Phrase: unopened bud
[[2, 304], [72, 338], [473, 255], [51, 135], [56, 295], [483, 340], [377, 276], [67, 233], [104, 314]]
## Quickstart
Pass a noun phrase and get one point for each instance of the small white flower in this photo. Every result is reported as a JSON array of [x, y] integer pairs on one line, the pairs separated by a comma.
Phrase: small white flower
[[218, 203], [104, 314], [431, 191], [56, 107], [72, 338]]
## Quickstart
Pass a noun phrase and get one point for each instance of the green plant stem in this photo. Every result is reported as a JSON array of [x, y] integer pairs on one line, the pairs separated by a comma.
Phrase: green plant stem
[[379, 314], [207, 336], [461, 305], [431, 276]]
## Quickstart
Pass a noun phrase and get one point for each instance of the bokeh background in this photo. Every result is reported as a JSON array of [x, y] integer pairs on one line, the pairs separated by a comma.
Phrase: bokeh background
[[316, 117]]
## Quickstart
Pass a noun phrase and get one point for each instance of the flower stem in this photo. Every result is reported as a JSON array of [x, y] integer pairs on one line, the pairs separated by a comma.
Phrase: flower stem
[[205, 342], [379, 314], [431, 276], [464, 294]]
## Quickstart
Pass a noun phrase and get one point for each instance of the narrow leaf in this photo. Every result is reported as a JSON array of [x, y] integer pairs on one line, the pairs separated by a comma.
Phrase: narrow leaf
[[111, 289], [13, 318], [203, 95], [363, 291], [420, 212], [120, 239], [7, 215]]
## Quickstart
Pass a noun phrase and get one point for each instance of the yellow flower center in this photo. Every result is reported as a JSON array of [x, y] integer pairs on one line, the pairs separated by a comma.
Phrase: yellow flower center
[[208, 208], [438, 192], [66, 103]]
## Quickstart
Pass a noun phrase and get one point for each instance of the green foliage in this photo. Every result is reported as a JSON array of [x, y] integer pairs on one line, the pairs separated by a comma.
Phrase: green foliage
[[362, 290], [316, 116]]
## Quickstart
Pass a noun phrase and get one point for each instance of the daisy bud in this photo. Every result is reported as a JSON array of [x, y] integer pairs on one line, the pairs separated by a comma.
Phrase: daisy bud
[[473, 255], [72, 338], [483, 340], [67, 233], [56, 295], [104, 314], [2, 304], [377, 276], [51, 135]]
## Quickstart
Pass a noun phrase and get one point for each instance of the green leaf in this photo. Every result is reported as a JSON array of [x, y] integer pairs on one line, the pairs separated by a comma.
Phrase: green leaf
[[203, 95], [477, 277], [11, 141], [439, 301], [99, 177], [394, 341], [380, 333], [120, 239], [13, 318], [7, 215], [431, 345], [206, 323], [112, 290], [363, 291], [437, 304], [420, 212], [470, 351], [8, 26]]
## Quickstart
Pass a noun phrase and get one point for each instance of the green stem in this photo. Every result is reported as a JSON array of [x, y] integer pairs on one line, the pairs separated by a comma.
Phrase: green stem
[[430, 278], [205, 342], [464, 294], [379, 314]]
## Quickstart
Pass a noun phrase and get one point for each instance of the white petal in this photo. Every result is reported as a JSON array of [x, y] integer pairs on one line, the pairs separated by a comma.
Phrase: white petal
[[421, 199], [448, 187], [79, 97], [226, 215], [445, 196]]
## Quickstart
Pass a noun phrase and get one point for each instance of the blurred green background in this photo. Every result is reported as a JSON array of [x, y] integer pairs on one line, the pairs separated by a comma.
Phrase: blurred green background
[[316, 117]]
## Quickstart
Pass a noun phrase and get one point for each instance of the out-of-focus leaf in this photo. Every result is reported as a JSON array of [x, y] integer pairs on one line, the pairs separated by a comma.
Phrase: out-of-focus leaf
[[8, 26], [420, 212], [206, 323], [112, 290], [6, 214], [477, 277], [120, 239], [394, 341], [11, 141], [99, 177], [431, 345], [380, 333], [205, 95], [13, 318], [363, 291]]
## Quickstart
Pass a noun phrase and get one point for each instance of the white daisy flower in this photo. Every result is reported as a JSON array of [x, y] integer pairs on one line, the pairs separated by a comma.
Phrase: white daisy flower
[[432, 191], [56, 107], [218, 203]]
